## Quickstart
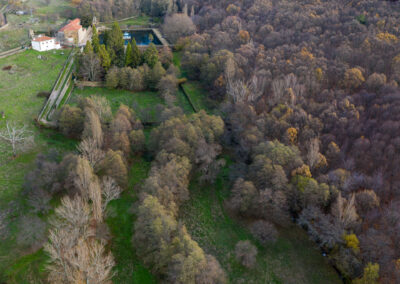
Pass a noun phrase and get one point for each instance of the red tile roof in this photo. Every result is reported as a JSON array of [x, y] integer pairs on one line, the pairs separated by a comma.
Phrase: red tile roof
[[42, 38], [74, 25]]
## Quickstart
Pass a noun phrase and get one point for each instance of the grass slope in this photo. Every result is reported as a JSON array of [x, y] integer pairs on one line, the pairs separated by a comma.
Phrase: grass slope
[[18, 100], [292, 259]]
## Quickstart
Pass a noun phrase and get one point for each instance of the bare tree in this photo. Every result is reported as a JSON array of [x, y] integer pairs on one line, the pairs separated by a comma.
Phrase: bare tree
[[246, 253], [178, 25], [345, 211], [90, 67], [92, 127], [84, 177], [18, 137], [76, 256], [313, 153], [111, 190], [90, 150], [96, 197], [287, 89]]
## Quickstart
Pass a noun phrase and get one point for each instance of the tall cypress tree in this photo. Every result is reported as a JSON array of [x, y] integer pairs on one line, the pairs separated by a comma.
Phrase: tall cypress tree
[[95, 40], [104, 57], [128, 55], [115, 45], [136, 56], [88, 47], [150, 56]]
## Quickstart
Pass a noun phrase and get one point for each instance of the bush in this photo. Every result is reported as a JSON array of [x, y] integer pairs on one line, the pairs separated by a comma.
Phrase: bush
[[246, 253], [265, 232], [43, 94]]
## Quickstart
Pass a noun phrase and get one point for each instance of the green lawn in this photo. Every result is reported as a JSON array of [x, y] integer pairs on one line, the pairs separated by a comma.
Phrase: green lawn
[[118, 97], [18, 89], [18, 100], [197, 94], [129, 268], [194, 89], [142, 100], [137, 21], [292, 259]]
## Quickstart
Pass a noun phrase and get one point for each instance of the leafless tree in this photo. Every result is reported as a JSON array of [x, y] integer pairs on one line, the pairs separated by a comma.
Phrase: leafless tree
[[89, 150], [345, 212], [92, 127], [246, 253], [237, 89], [288, 89], [18, 137], [76, 257], [96, 197], [90, 67], [111, 190], [84, 177], [313, 153], [178, 25]]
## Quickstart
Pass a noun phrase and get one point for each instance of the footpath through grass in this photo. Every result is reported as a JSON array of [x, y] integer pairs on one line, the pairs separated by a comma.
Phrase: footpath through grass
[[292, 259]]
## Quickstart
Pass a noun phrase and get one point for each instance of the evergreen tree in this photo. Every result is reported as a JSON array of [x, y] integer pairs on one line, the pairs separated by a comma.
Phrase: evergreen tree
[[136, 56], [150, 56], [115, 45], [95, 40], [128, 56], [88, 48], [104, 57]]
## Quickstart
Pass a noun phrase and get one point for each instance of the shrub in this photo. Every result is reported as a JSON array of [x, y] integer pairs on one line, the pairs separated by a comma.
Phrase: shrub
[[265, 232], [246, 253]]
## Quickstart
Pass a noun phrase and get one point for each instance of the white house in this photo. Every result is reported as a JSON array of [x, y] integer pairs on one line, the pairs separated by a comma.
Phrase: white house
[[43, 43]]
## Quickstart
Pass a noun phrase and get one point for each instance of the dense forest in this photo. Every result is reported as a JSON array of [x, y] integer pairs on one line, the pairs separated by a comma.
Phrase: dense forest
[[302, 98]]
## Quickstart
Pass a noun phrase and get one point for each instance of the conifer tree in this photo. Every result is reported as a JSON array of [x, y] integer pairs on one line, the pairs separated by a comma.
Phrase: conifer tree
[[104, 57], [115, 45], [88, 48], [128, 55], [95, 40], [136, 56], [150, 56]]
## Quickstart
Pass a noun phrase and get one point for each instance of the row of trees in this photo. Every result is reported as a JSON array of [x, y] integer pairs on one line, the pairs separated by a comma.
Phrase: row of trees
[[182, 145], [88, 180], [97, 59]]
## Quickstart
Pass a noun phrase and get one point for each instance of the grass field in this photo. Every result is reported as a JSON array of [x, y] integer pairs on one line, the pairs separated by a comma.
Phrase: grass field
[[197, 93], [134, 100], [194, 89], [141, 100], [18, 100], [18, 89], [137, 21], [128, 267], [292, 259]]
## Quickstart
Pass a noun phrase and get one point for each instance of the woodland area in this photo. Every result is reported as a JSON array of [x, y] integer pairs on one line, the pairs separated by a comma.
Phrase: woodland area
[[300, 115]]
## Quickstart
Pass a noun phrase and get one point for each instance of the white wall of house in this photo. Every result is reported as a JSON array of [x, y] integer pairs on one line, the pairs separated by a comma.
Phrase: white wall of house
[[45, 45]]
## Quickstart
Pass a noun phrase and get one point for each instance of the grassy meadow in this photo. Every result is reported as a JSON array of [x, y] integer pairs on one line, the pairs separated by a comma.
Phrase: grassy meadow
[[18, 100]]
